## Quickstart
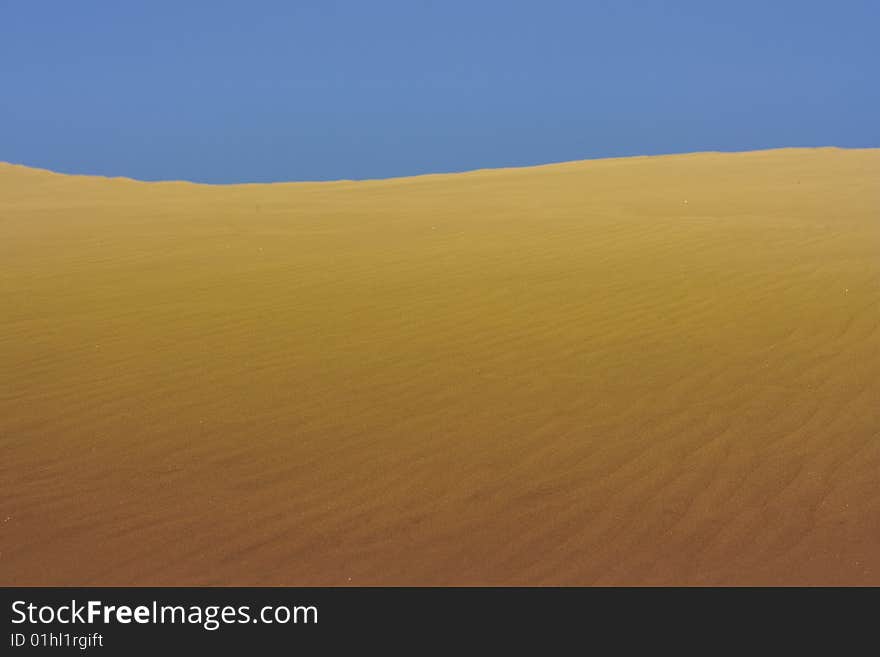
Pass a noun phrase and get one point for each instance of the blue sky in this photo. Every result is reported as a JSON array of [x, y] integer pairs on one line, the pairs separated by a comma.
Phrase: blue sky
[[314, 90]]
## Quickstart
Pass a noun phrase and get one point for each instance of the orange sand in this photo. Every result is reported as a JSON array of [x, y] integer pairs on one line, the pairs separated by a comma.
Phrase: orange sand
[[658, 370]]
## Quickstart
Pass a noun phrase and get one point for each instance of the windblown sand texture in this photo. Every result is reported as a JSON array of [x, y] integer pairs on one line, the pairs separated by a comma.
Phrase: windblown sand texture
[[653, 370]]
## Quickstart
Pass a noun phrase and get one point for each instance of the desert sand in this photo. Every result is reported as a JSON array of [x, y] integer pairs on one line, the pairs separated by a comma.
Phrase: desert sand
[[649, 370]]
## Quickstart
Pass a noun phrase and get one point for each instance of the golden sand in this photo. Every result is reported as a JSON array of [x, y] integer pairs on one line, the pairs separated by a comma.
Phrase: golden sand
[[654, 370]]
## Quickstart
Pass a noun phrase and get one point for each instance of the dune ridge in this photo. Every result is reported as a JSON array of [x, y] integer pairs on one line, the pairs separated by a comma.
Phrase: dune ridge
[[652, 370]]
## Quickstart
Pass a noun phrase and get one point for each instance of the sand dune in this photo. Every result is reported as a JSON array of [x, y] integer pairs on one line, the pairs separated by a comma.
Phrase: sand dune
[[655, 370]]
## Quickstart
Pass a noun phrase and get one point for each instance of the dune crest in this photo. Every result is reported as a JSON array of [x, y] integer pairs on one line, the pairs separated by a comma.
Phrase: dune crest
[[652, 370]]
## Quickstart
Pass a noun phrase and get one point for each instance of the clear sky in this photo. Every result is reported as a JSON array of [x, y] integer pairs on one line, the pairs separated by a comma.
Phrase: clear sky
[[262, 90]]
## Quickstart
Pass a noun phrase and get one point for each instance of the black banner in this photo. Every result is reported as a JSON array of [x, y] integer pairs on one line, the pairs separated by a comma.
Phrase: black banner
[[114, 621]]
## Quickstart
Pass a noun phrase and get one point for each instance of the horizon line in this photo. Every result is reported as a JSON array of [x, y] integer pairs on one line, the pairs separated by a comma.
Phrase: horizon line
[[463, 172]]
